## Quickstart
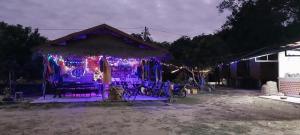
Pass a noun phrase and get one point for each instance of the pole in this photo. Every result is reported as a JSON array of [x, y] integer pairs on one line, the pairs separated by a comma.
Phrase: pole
[[44, 77]]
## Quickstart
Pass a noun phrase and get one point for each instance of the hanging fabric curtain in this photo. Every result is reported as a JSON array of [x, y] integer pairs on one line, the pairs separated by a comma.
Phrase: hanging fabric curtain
[[45, 75], [106, 72], [143, 70], [139, 71], [101, 65], [148, 70], [155, 68], [51, 66], [160, 72], [52, 70], [62, 66]]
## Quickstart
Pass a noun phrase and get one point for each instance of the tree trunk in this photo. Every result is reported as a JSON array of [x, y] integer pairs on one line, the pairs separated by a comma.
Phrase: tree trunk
[[44, 77]]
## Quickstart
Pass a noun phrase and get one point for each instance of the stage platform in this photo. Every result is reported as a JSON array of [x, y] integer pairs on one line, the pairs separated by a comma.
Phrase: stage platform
[[74, 99]]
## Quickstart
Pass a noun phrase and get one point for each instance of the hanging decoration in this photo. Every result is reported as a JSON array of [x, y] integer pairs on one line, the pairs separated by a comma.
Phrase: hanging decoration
[[78, 72], [98, 75], [93, 68], [106, 72], [143, 70], [92, 64]]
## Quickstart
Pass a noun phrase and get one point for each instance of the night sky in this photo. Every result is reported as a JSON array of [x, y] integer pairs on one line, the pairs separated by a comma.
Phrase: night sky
[[167, 19]]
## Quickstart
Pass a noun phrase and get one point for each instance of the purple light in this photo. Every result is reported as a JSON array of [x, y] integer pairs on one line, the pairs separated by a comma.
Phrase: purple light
[[86, 69]]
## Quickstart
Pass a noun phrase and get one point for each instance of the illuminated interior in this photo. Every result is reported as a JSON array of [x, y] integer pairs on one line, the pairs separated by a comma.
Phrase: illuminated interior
[[89, 69]]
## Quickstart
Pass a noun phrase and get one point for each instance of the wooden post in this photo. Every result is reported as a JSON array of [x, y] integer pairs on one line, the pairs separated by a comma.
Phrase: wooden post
[[44, 76]]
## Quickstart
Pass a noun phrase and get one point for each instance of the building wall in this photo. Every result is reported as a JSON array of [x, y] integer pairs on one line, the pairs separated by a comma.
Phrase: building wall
[[288, 64], [240, 76], [289, 70], [233, 70], [251, 75], [243, 69], [255, 70], [290, 87], [269, 71]]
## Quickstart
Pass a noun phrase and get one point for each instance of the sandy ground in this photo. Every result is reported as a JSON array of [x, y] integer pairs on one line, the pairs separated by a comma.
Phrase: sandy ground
[[223, 112]]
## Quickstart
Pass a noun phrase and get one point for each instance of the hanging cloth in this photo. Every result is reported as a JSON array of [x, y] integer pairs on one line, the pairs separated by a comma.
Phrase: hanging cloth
[[147, 68], [143, 70], [51, 66], [101, 64], [139, 71], [160, 72], [47, 69], [53, 69], [156, 73], [106, 72]]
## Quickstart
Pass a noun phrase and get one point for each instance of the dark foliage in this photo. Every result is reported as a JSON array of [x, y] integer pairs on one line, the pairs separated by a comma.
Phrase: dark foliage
[[201, 51], [255, 24], [16, 42], [252, 24]]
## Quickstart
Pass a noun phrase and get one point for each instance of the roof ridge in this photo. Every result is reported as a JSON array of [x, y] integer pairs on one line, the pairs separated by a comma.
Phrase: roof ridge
[[104, 25]]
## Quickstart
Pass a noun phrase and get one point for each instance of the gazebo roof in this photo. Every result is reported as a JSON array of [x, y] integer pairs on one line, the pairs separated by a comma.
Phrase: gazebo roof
[[102, 40]]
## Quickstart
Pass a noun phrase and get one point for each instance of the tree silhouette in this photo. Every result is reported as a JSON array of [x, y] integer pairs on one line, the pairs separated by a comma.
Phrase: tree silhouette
[[255, 24], [252, 24], [15, 50]]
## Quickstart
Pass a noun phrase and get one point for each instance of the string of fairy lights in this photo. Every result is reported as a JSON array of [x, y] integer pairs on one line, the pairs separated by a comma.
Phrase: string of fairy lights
[[178, 68]]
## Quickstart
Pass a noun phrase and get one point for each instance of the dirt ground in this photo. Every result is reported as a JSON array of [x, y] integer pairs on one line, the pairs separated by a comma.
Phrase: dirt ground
[[221, 112]]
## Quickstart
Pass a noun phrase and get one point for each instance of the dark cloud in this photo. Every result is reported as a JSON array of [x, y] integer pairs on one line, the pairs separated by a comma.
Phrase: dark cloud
[[169, 19]]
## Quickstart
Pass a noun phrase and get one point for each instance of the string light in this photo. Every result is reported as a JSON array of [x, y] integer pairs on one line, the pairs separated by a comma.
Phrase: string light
[[178, 68], [77, 67]]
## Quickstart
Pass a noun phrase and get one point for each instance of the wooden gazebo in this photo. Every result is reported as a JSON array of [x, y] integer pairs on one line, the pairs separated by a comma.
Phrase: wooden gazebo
[[94, 44], [102, 40]]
